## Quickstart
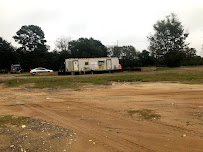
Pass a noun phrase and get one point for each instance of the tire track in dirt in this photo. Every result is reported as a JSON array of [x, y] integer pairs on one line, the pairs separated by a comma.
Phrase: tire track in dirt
[[168, 128], [172, 129], [117, 143]]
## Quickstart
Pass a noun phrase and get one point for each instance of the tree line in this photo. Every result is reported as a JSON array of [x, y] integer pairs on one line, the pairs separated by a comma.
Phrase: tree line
[[167, 47]]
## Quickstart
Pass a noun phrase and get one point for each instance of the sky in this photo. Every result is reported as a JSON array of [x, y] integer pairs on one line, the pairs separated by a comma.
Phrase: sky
[[122, 22]]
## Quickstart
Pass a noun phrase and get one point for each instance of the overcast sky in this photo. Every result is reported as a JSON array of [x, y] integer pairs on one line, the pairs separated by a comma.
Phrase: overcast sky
[[127, 21]]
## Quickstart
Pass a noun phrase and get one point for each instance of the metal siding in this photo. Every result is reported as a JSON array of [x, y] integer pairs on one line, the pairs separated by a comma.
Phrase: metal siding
[[82, 66], [115, 64], [70, 66], [92, 64], [108, 64]]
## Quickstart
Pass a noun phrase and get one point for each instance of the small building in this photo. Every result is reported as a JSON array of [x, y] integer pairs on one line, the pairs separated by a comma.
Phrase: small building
[[85, 65]]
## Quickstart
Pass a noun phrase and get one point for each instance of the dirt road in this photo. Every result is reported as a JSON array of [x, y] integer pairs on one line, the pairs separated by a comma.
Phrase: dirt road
[[99, 115]]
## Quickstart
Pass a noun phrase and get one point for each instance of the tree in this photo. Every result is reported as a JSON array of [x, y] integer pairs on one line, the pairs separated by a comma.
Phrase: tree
[[7, 54], [87, 48], [31, 38], [190, 52], [145, 58], [168, 43], [33, 52], [127, 54], [190, 57], [62, 47], [62, 43]]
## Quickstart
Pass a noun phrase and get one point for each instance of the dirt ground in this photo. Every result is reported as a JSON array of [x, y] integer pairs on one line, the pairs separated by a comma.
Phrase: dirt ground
[[34, 135], [99, 115]]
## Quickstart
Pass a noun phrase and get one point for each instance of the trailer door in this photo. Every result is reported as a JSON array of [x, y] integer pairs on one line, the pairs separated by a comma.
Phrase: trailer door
[[75, 65], [108, 64]]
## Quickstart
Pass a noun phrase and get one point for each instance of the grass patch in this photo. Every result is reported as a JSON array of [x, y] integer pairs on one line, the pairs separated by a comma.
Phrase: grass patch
[[5, 120], [28, 74], [145, 114], [78, 81], [45, 83], [166, 68]]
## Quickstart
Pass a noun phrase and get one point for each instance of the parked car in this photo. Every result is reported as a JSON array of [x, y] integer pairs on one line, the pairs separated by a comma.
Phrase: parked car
[[39, 70]]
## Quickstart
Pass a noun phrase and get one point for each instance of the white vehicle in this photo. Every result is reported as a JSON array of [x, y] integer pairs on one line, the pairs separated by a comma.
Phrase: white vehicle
[[40, 70]]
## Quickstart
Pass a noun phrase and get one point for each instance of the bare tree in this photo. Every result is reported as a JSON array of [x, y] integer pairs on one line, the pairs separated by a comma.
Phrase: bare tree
[[62, 43]]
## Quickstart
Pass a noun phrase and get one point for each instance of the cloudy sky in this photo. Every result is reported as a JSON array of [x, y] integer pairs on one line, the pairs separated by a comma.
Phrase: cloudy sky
[[127, 22]]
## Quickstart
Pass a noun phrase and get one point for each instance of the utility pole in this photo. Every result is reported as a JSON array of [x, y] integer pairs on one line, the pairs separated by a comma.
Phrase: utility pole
[[117, 43]]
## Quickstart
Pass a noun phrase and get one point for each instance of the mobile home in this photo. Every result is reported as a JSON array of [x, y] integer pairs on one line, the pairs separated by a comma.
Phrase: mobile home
[[84, 65]]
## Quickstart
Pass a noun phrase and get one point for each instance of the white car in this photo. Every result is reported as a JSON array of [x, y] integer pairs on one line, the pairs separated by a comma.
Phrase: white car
[[39, 70]]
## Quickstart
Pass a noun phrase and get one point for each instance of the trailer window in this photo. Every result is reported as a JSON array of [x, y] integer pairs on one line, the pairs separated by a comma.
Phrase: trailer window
[[86, 63], [100, 63]]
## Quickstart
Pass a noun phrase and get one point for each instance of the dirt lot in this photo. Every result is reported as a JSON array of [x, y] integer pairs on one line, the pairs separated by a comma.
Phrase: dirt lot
[[100, 115]]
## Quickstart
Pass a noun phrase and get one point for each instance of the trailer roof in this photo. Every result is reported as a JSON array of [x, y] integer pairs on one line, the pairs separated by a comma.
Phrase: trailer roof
[[92, 58]]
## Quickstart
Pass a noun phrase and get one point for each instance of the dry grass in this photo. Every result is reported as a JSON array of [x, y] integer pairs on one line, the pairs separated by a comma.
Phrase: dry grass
[[145, 114], [12, 120]]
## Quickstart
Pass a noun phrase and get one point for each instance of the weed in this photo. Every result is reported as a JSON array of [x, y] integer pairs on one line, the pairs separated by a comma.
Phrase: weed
[[145, 114], [5, 120], [188, 123]]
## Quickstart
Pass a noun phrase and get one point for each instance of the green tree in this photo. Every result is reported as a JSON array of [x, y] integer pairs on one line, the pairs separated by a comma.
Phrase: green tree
[[53, 60], [34, 51], [31, 37], [168, 42], [127, 55], [87, 48], [145, 58], [190, 57], [190, 52], [7, 54]]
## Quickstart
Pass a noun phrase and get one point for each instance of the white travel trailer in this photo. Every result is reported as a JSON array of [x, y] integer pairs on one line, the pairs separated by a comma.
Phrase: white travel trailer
[[85, 65]]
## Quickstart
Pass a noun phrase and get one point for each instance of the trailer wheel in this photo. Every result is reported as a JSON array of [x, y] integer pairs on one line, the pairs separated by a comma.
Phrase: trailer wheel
[[92, 72], [72, 73]]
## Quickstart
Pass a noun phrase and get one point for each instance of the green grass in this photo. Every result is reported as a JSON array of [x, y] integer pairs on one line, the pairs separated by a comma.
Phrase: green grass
[[145, 114], [5, 120], [78, 81], [165, 68], [45, 83]]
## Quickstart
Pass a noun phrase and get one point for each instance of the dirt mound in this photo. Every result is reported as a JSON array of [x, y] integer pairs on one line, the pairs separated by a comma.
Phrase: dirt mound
[[34, 135]]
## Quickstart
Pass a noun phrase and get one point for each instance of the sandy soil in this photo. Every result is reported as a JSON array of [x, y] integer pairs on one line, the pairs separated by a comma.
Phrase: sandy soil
[[98, 114]]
